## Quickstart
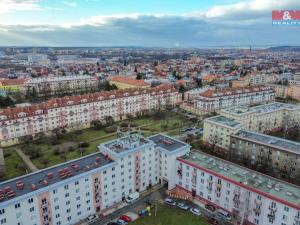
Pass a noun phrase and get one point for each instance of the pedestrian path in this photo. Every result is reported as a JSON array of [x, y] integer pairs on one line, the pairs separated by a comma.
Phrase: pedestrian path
[[26, 160]]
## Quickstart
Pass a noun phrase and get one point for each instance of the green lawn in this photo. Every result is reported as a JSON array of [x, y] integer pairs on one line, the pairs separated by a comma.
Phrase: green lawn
[[171, 122], [48, 153], [170, 216], [11, 162]]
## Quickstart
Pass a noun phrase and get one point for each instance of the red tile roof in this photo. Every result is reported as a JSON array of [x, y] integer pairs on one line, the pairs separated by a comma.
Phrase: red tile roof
[[12, 113], [130, 81]]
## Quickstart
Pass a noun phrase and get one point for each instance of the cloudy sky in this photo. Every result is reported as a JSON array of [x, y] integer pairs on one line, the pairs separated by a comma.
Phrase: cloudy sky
[[161, 23]]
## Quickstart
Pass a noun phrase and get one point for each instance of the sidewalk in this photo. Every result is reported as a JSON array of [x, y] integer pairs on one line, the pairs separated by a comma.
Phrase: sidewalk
[[26, 160]]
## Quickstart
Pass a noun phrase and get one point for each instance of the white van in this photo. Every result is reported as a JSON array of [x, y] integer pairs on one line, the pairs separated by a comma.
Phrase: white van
[[224, 214], [132, 197]]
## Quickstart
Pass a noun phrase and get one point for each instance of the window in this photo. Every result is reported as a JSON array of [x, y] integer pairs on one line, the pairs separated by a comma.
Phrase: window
[[31, 209], [3, 221], [30, 200], [17, 205], [2, 211]]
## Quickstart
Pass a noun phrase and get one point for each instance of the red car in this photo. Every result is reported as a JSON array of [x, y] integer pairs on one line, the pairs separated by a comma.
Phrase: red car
[[126, 218]]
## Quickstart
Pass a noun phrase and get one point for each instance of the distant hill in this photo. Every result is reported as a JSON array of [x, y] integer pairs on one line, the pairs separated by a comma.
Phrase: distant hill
[[284, 48]]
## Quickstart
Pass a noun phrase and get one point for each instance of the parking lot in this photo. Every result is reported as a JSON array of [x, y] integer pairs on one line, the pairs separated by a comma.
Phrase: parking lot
[[164, 212]]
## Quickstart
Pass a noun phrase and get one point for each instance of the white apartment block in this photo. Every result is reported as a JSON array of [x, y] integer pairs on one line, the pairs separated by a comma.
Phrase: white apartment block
[[77, 112], [49, 86], [215, 100], [39, 59], [69, 192], [262, 118], [250, 197]]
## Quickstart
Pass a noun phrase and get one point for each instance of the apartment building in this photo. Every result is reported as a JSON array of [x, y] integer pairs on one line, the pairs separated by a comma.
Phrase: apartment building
[[249, 196], [263, 118], [253, 79], [77, 112], [258, 148], [215, 100], [50, 86], [217, 130], [69, 192]]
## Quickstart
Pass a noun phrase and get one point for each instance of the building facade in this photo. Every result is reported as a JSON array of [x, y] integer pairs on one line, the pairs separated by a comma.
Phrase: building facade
[[72, 191], [51, 86], [215, 100], [77, 112], [263, 118], [250, 197], [273, 152]]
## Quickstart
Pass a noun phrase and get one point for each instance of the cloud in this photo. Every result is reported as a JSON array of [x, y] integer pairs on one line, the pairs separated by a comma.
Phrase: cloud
[[18, 5], [244, 23], [72, 4]]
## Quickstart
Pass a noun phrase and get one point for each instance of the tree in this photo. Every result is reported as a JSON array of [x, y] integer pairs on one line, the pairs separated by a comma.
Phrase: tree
[[96, 124], [45, 162], [109, 120], [26, 139], [139, 76], [6, 102], [214, 140]]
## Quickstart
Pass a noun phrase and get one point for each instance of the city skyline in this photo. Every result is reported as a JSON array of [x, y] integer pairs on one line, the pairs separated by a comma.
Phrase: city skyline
[[140, 23]]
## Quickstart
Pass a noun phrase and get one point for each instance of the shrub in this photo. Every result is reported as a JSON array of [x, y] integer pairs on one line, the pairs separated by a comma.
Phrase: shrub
[[124, 124], [6, 154], [71, 149], [110, 129], [56, 151], [83, 144]]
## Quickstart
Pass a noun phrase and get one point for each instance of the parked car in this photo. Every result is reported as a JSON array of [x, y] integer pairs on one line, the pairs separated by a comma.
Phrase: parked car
[[195, 211], [210, 207], [112, 223], [224, 214], [132, 197], [126, 218], [170, 201], [182, 205], [121, 222], [213, 221], [92, 219]]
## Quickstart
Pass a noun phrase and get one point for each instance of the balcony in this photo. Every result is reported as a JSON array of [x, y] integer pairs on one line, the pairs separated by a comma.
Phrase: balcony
[[257, 202], [257, 210], [297, 219]]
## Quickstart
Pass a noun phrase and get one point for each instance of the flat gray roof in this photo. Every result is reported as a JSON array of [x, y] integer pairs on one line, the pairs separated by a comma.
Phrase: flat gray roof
[[261, 108], [166, 142], [84, 164], [126, 143], [275, 142], [253, 179], [224, 120]]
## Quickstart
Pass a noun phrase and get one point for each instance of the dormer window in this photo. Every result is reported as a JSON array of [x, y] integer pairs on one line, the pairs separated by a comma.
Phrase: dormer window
[[83, 100], [126, 94], [136, 92], [111, 96], [38, 112], [3, 117], [21, 114], [101, 98], [69, 102]]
